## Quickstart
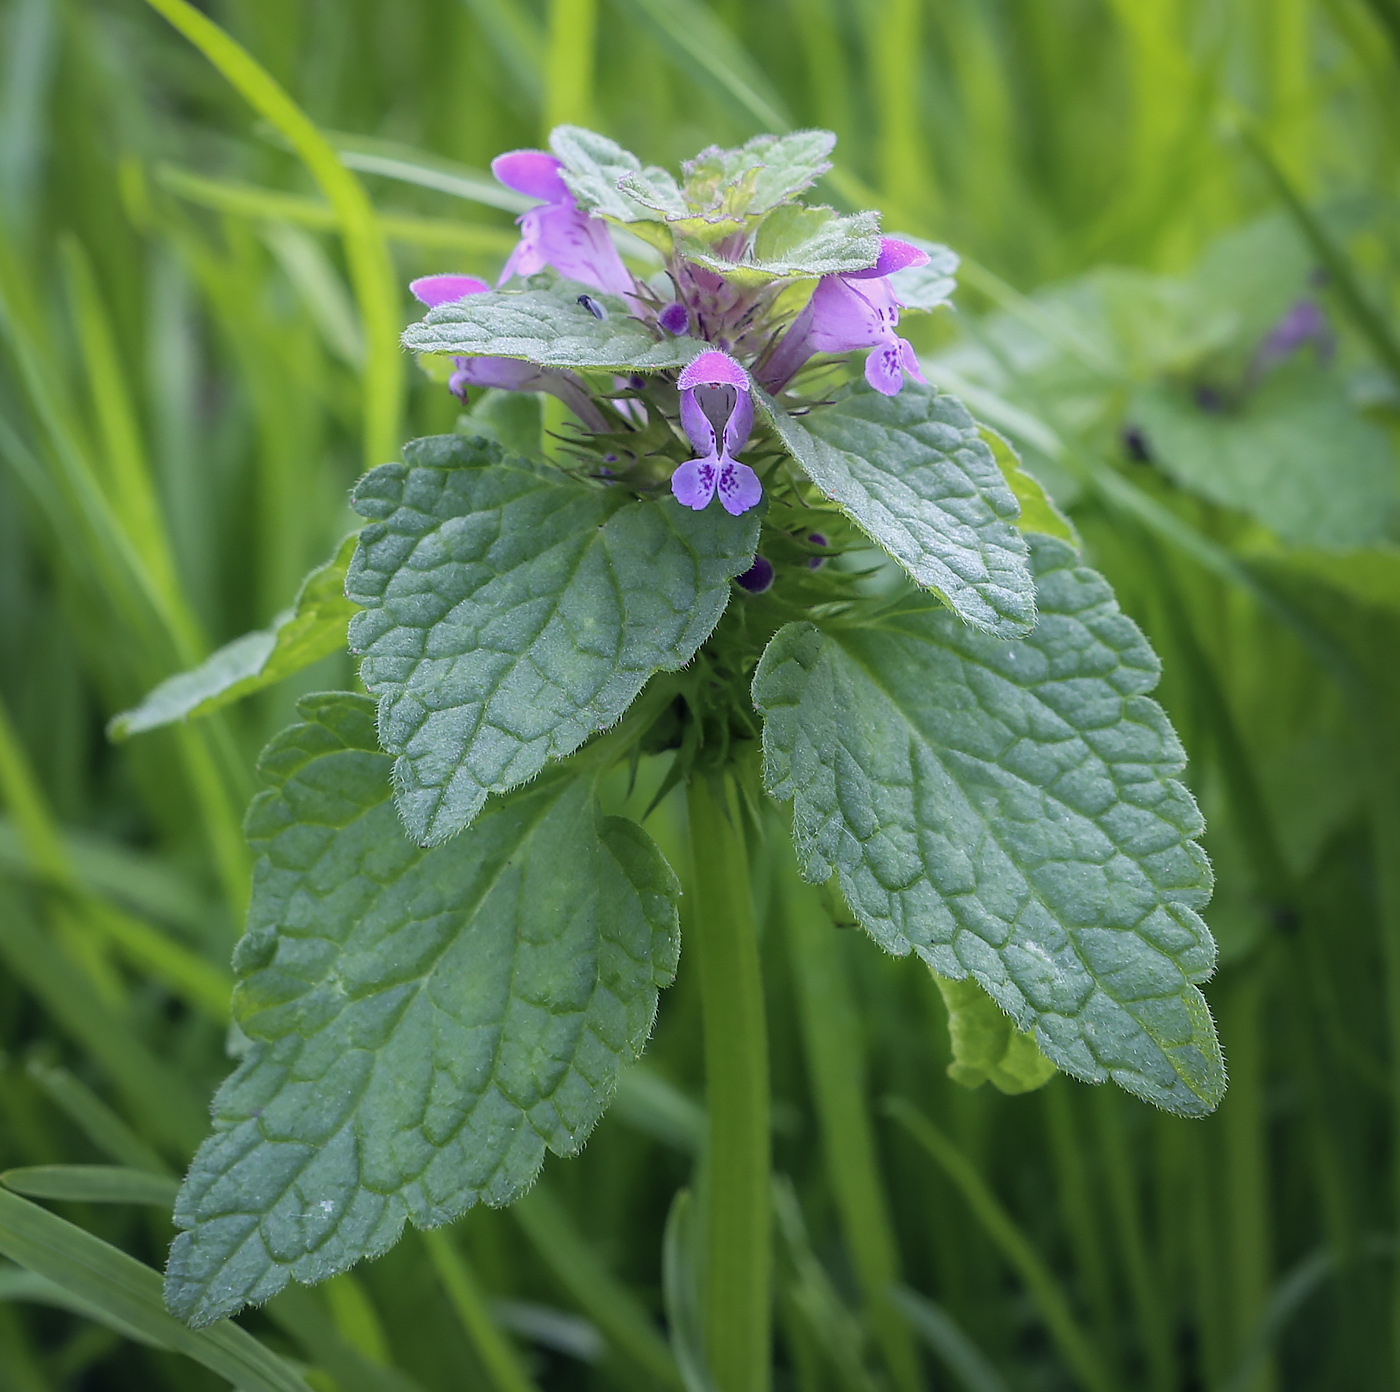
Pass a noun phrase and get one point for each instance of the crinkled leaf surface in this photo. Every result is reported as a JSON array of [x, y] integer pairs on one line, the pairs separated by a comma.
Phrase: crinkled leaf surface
[[931, 285], [913, 473], [549, 327], [512, 611], [312, 629], [424, 1023], [1294, 453], [763, 172], [595, 166], [797, 241], [987, 1046], [1010, 810]]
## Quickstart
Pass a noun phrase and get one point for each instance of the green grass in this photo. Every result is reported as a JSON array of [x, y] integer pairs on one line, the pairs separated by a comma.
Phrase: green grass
[[198, 310]]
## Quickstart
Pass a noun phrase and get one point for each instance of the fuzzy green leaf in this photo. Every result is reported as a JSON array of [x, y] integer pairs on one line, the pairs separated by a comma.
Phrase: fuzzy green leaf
[[987, 1047], [424, 1023], [1011, 810], [1294, 453], [313, 628], [595, 167], [549, 327], [913, 473], [758, 176], [512, 612], [794, 241]]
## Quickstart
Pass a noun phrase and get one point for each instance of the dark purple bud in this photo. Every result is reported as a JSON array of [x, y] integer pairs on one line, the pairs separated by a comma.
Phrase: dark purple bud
[[1135, 445], [1208, 399], [598, 311], [1304, 322], [758, 577], [674, 318], [816, 562]]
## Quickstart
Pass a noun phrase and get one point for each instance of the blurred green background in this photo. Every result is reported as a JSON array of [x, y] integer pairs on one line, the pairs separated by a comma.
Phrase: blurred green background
[[1179, 302]]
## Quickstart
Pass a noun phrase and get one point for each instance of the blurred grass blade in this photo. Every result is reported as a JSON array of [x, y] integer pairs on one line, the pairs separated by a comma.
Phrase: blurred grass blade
[[569, 60], [371, 271], [963, 1359], [301, 1313], [618, 1315], [20, 1285], [408, 165], [1078, 1352], [163, 1098], [680, 1289], [92, 1184], [498, 1356], [107, 1278], [1369, 322], [518, 41], [704, 46], [31, 33], [656, 1107], [834, 1052], [95, 1119]]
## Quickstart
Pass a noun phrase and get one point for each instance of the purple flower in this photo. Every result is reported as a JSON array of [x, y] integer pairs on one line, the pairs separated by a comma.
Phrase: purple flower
[[1304, 322], [675, 319], [443, 289], [506, 374], [717, 413], [559, 233], [856, 309]]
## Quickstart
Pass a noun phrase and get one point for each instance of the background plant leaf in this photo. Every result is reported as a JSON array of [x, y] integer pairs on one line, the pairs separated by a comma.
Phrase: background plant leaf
[[424, 1023], [1011, 811], [987, 1046], [513, 612], [313, 628]]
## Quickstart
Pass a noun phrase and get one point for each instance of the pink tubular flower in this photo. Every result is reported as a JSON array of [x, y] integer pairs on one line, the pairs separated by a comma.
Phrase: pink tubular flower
[[506, 374], [856, 309], [559, 233], [717, 413]]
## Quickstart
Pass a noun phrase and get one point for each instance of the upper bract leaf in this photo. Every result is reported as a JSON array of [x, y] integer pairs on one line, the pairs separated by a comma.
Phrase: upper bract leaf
[[913, 473], [595, 166], [424, 1023], [312, 629], [513, 612], [794, 241], [550, 327], [760, 174], [1010, 810]]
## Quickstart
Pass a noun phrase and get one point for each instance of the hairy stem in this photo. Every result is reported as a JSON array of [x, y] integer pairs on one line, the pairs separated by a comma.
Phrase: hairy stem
[[724, 947]]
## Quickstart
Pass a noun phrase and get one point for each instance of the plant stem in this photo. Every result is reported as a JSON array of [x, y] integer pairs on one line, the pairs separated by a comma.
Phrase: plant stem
[[737, 1217]]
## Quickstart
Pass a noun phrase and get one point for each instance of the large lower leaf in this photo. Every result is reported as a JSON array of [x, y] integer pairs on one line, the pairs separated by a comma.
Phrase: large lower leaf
[[513, 612], [913, 473], [313, 628], [1295, 454], [424, 1023], [1010, 810], [550, 327]]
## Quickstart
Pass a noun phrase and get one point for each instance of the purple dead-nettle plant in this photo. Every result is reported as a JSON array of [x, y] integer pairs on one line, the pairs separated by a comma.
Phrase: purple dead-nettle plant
[[753, 543]]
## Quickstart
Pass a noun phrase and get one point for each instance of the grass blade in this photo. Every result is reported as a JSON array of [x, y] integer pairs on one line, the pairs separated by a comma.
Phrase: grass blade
[[1075, 1348], [104, 1277], [967, 1363], [92, 1184]]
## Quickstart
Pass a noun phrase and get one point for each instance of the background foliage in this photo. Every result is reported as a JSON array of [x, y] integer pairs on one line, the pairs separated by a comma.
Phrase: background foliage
[[196, 366]]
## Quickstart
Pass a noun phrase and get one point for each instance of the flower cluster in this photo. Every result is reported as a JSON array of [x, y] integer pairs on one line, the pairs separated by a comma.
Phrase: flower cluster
[[763, 283]]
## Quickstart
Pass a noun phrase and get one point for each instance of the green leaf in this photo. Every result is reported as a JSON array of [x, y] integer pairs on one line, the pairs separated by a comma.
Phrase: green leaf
[[549, 327], [424, 1023], [1010, 810], [313, 628], [912, 472], [595, 166], [987, 1047], [761, 174], [1294, 453], [796, 241], [126, 1294], [513, 612], [92, 1184], [1038, 510], [927, 287]]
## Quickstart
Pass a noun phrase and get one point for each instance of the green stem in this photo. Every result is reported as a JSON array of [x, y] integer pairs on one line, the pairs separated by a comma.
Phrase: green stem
[[724, 946]]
